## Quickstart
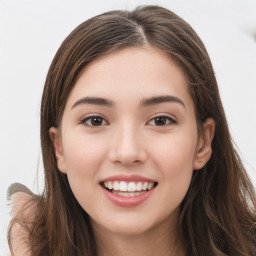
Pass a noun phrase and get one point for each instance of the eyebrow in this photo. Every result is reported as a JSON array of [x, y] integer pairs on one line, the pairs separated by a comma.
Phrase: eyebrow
[[94, 101], [145, 102], [161, 99]]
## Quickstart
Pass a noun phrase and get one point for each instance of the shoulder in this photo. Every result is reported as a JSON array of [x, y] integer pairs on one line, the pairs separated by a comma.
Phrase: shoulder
[[22, 211]]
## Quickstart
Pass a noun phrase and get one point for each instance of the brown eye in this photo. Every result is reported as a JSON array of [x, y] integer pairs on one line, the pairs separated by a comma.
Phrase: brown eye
[[162, 121], [94, 121]]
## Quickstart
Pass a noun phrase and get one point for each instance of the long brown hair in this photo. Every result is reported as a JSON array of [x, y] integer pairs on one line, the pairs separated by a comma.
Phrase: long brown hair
[[217, 216]]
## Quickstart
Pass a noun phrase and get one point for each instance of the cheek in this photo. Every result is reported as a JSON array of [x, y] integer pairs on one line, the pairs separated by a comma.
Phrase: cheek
[[174, 158], [177, 151], [83, 153], [83, 157]]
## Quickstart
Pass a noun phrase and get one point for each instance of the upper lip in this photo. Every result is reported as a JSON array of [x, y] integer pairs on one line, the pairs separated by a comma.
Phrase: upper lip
[[127, 178]]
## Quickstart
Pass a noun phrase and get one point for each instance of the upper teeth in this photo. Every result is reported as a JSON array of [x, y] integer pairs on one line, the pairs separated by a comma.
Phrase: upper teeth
[[128, 186]]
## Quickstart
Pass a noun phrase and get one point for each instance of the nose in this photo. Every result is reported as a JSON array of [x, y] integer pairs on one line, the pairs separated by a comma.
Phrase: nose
[[127, 147]]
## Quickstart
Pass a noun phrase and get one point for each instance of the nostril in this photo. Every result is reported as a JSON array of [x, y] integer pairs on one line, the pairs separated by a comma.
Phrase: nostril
[[127, 150]]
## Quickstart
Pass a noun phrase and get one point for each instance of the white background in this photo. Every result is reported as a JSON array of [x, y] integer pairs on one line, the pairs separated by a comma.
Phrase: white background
[[31, 32]]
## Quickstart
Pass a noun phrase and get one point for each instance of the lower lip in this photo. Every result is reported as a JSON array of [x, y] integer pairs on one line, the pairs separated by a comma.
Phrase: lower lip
[[127, 201]]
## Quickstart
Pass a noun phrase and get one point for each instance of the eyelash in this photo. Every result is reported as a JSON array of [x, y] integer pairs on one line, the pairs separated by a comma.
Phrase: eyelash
[[171, 121], [90, 118]]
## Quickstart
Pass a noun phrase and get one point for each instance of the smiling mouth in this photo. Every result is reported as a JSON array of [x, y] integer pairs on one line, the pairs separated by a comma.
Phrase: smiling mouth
[[128, 189]]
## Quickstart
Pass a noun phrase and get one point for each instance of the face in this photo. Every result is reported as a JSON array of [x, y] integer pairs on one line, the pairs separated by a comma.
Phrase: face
[[128, 141]]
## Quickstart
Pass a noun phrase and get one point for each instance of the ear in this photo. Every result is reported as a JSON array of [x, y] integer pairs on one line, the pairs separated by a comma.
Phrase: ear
[[58, 148], [204, 147]]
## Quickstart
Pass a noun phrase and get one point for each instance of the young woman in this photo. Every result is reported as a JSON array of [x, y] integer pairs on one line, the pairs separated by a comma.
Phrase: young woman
[[137, 153]]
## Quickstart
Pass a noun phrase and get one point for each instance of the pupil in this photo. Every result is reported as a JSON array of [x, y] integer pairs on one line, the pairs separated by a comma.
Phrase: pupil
[[96, 121], [160, 120]]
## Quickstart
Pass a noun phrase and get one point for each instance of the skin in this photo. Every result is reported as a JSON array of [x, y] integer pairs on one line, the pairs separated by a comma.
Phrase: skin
[[129, 140]]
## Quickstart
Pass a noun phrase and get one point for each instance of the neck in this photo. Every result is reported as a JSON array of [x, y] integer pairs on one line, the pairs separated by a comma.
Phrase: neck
[[161, 240]]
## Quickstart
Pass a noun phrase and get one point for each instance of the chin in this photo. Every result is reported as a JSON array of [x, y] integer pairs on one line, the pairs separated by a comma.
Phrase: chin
[[131, 225], [129, 230]]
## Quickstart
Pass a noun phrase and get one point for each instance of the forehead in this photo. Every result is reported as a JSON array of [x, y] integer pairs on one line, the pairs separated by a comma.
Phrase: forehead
[[134, 73]]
